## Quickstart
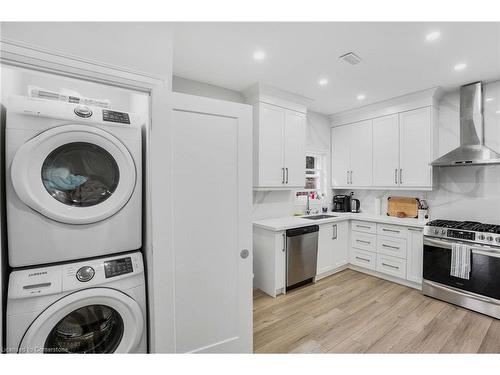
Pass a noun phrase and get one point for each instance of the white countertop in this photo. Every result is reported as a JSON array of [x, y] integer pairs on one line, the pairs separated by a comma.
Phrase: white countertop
[[289, 222]]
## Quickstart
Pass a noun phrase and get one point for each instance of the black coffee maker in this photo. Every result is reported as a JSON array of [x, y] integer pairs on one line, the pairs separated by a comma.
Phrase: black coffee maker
[[341, 203]]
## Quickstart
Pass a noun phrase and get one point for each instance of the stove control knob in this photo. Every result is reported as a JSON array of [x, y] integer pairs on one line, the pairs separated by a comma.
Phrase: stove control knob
[[436, 231], [443, 231], [490, 238], [497, 239], [481, 237]]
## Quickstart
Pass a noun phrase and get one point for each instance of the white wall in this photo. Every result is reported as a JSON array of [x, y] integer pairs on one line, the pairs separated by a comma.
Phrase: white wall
[[461, 193]]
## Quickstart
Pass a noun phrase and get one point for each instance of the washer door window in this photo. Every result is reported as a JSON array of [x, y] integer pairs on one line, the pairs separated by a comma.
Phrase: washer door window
[[98, 320], [75, 174]]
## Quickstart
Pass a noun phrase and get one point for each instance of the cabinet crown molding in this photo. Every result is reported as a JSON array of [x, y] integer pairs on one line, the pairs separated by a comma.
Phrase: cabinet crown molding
[[424, 98], [264, 93]]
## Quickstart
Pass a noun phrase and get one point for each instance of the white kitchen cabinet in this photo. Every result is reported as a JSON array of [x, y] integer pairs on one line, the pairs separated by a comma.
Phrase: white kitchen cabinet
[[333, 250], [352, 155], [269, 249], [415, 148], [341, 158], [279, 147], [386, 150], [414, 254], [294, 159]]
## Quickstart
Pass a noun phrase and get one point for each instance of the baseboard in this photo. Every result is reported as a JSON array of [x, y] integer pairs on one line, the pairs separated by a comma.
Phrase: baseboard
[[380, 275]]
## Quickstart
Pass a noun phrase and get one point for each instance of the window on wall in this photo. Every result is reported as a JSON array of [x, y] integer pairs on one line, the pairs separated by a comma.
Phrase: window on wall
[[315, 177]]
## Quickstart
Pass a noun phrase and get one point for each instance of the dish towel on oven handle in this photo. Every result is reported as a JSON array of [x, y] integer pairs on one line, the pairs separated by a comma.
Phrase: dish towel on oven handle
[[461, 255]]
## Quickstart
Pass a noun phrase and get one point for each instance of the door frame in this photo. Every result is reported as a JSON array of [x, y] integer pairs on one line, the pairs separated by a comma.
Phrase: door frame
[[157, 185]]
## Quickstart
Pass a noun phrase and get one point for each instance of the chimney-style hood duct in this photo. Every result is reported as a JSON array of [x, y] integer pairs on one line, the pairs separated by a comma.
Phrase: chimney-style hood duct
[[472, 150]]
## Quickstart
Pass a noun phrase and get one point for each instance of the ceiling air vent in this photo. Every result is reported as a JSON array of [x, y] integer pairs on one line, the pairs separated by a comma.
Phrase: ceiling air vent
[[351, 58]]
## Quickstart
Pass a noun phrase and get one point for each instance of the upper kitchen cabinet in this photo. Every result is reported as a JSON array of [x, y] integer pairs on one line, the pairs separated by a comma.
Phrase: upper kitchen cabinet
[[279, 138], [401, 143], [352, 155]]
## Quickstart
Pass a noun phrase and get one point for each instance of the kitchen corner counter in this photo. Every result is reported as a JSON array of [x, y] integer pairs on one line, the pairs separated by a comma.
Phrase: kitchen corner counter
[[289, 222]]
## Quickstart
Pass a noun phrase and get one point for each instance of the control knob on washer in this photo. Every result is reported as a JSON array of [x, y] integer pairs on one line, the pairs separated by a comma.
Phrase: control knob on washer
[[85, 274], [83, 111]]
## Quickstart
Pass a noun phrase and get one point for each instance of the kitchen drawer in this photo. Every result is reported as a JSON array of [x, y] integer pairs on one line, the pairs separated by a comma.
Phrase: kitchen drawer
[[363, 258], [391, 265], [364, 241], [392, 230], [392, 246], [364, 226]]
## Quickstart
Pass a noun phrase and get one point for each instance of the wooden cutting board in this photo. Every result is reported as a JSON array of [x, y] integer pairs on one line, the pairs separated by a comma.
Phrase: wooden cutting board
[[402, 206]]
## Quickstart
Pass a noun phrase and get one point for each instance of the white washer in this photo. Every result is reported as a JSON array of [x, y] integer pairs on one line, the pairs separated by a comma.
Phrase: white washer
[[73, 181], [94, 306]]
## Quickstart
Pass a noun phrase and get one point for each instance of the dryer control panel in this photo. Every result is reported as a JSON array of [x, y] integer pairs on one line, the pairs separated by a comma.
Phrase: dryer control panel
[[118, 267]]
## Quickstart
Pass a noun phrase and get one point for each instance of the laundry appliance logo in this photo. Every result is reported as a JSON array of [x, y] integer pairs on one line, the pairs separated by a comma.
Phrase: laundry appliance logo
[[37, 273]]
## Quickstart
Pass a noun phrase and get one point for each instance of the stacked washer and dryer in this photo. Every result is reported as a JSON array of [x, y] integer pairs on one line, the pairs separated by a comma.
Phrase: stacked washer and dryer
[[74, 226]]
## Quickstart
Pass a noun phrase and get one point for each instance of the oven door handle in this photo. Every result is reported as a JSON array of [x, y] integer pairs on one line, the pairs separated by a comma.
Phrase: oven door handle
[[476, 249]]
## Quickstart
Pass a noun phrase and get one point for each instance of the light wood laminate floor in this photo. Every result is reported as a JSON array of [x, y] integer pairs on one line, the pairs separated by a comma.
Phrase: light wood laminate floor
[[351, 312]]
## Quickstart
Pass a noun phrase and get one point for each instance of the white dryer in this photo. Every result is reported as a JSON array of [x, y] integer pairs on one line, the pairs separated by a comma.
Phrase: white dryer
[[73, 181], [94, 306]]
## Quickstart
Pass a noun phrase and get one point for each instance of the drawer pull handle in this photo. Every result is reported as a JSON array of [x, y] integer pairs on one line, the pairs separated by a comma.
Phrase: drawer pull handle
[[390, 247], [363, 226], [390, 265], [390, 230], [362, 241], [364, 259]]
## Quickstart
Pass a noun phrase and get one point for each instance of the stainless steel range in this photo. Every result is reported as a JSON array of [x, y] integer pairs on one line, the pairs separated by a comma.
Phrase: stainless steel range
[[478, 246]]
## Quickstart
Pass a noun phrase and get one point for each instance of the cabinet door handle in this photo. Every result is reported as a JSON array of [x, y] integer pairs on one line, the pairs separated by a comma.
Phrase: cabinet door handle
[[334, 231], [364, 259], [282, 175], [400, 176], [390, 247], [390, 230], [363, 241], [396, 176], [351, 177], [347, 178], [390, 265], [284, 242], [286, 169]]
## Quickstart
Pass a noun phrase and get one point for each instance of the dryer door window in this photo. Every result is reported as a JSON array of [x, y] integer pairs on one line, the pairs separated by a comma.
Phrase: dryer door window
[[89, 329], [74, 174], [80, 174], [94, 320]]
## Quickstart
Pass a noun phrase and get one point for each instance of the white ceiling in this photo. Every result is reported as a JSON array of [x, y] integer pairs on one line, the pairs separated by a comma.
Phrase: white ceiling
[[397, 59]]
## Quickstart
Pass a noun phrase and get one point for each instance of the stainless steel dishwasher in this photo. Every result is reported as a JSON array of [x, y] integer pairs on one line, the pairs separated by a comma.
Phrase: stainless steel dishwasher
[[301, 255]]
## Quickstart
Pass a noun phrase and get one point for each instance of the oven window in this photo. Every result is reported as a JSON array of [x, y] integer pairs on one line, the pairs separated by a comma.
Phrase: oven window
[[90, 329], [484, 276]]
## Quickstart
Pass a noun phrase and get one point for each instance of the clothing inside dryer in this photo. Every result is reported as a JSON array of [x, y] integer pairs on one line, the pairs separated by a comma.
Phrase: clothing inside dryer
[[80, 174]]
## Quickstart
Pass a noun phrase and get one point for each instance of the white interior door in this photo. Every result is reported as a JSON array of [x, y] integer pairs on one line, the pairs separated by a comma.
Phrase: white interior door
[[415, 147], [361, 153], [386, 150], [271, 130], [212, 225], [341, 139], [294, 152]]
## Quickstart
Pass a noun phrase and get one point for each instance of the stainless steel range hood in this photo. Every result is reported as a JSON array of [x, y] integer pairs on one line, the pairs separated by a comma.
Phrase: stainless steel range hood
[[472, 150]]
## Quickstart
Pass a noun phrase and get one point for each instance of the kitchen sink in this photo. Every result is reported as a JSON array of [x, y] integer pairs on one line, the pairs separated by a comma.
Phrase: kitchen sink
[[318, 217]]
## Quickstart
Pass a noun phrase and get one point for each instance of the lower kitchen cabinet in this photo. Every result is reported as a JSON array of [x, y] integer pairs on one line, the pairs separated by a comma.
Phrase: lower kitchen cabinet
[[333, 249], [414, 257]]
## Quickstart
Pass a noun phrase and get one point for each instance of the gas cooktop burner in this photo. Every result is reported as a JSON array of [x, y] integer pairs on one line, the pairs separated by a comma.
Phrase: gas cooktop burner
[[466, 225], [470, 231]]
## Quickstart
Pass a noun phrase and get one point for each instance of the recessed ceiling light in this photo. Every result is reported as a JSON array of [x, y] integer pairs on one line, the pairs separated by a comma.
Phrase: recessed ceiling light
[[259, 55], [489, 99], [361, 97], [323, 82], [460, 66], [433, 36]]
